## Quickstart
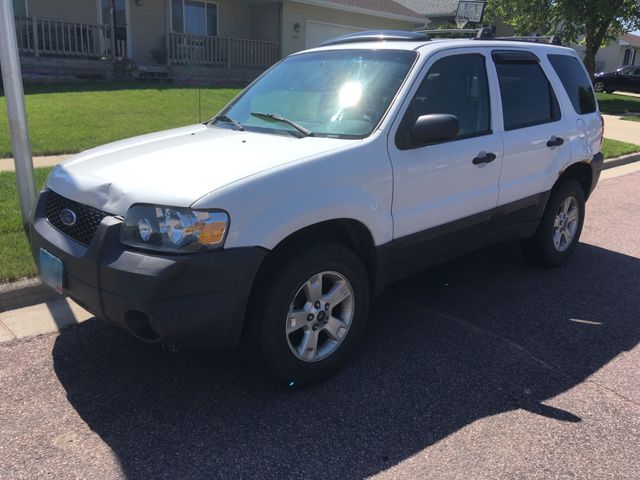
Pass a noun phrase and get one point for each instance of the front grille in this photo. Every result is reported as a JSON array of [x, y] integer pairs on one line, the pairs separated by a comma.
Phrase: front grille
[[87, 218]]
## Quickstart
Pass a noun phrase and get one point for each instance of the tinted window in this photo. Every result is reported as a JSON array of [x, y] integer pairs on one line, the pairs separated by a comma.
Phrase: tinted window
[[575, 81], [527, 96], [456, 85]]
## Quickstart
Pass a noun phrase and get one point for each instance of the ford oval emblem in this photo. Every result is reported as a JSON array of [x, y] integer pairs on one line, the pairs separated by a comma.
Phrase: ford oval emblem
[[68, 217]]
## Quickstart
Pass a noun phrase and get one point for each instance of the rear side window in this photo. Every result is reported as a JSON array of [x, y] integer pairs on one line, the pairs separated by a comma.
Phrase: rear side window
[[575, 82], [527, 96]]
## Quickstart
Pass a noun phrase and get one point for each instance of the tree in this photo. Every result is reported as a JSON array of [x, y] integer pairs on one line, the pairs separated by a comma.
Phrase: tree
[[593, 22]]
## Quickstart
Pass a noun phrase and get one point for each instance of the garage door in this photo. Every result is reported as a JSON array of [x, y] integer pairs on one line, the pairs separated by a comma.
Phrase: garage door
[[318, 32]]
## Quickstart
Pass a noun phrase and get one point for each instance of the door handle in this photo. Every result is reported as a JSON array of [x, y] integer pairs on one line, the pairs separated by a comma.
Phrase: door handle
[[555, 141], [484, 158]]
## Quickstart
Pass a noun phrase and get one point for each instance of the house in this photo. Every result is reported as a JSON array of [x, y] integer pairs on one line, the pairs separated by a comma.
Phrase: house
[[618, 53], [442, 13], [186, 39]]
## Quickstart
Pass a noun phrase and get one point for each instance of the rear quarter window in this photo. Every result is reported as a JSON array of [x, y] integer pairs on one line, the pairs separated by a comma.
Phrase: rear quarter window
[[575, 82]]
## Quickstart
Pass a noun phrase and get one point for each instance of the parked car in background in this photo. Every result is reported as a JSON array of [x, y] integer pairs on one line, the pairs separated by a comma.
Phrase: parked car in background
[[626, 79]]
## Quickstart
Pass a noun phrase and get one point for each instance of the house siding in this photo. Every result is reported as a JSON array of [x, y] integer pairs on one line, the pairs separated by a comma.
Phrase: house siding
[[80, 11], [299, 13], [147, 26]]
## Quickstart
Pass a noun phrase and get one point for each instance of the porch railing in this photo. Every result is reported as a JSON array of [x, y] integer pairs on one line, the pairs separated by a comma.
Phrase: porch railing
[[189, 49], [42, 36]]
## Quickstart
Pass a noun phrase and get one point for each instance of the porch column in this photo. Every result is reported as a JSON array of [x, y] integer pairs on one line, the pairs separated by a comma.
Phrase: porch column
[[167, 29]]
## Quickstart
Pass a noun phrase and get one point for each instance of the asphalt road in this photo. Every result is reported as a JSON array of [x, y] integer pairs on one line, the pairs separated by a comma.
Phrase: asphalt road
[[484, 367]]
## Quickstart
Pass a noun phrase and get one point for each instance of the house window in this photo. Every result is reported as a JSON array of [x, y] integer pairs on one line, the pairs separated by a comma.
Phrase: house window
[[199, 17], [629, 57], [20, 8]]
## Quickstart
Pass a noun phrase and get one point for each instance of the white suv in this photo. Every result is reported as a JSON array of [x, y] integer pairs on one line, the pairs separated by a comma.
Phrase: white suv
[[341, 169]]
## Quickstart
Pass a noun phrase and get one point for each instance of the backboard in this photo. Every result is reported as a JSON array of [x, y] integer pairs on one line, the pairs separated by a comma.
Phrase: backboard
[[471, 10]]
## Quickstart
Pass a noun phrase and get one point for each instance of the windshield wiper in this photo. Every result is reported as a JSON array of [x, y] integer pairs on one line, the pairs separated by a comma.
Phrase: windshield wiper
[[273, 116], [225, 118]]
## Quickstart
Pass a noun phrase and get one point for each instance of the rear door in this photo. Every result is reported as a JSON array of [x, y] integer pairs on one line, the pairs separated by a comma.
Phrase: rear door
[[535, 134]]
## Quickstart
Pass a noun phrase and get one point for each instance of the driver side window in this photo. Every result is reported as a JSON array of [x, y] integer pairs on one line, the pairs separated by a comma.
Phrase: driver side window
[[456, 85]]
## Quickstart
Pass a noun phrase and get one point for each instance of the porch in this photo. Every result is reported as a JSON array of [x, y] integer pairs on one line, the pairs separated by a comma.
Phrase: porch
[[217, 40]]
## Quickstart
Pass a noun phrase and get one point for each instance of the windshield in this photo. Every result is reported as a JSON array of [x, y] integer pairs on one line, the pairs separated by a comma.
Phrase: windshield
[[337, 93]]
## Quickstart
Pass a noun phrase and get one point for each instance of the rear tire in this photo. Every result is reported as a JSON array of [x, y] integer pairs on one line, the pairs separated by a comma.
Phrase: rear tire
[[559, 231], [307, 315]]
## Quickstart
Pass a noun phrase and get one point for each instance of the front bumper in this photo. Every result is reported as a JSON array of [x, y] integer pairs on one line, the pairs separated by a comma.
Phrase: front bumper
[[187, 300]]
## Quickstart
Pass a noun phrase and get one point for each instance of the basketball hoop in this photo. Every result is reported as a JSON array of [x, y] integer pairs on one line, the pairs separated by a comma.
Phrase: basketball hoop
[[461, 22], [469, 11]]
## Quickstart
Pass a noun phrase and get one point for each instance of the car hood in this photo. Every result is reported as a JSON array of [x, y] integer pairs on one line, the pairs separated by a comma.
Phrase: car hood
[[176, 167]]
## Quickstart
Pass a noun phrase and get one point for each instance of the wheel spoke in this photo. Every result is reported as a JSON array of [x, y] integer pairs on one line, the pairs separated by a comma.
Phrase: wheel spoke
[[568, 236], [566, 205], [296, 320], [309, 345], [557, 238], [338, 293], [335, 328], [313, 288], [572, 215]]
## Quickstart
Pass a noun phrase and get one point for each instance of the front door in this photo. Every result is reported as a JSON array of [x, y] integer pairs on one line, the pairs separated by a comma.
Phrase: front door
[[114, 14], [440, 185]]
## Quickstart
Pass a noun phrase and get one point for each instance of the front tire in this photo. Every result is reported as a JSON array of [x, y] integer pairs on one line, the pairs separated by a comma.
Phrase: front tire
[[307, 315], [559, 231]]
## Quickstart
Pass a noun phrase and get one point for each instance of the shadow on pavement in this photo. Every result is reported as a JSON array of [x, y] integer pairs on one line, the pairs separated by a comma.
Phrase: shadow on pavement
[[478, 336]]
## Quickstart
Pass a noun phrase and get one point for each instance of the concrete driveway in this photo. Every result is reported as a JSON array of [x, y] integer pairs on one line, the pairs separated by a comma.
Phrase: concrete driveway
[[484, 367]]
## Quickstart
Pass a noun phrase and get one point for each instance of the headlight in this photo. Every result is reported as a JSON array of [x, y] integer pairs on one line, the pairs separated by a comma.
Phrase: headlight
[[170, 229]]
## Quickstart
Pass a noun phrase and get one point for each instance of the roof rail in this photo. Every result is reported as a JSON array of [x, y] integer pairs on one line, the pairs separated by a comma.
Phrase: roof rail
[[488, 33], [378, 35], [479, 33], [483, 33], [552, 39]]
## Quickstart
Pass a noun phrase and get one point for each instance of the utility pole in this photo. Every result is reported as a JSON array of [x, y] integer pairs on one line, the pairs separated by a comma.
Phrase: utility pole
[[14, 96]]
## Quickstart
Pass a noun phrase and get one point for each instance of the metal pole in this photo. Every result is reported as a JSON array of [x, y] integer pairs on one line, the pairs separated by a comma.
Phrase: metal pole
[[14, 96]]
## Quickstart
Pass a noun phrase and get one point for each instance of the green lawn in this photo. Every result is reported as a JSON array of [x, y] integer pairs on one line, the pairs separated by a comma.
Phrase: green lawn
[[614, 148], [71, 118], [611, 104], [15, 259], [631, 118]]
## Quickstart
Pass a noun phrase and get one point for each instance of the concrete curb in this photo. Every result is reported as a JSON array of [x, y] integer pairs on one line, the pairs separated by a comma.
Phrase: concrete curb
[[24, 293], [31, 291], [623, 160]]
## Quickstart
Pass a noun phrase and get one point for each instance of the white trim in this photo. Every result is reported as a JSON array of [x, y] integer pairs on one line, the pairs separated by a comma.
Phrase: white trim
[[361, 11]]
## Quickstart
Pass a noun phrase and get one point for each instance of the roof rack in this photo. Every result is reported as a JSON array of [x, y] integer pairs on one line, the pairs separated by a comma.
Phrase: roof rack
[[483, 33], [488, 33], [552, 39], [378, 35]]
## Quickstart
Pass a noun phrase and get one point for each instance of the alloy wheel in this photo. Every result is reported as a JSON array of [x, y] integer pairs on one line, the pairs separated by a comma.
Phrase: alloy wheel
[[565, 224], [320, 316]]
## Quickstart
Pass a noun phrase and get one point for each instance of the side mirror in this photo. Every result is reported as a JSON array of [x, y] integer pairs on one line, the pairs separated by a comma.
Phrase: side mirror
[[434, 128]]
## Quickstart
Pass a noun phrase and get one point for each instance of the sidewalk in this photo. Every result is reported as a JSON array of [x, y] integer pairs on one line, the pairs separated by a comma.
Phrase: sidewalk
[[7, 165], [622, 130]]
